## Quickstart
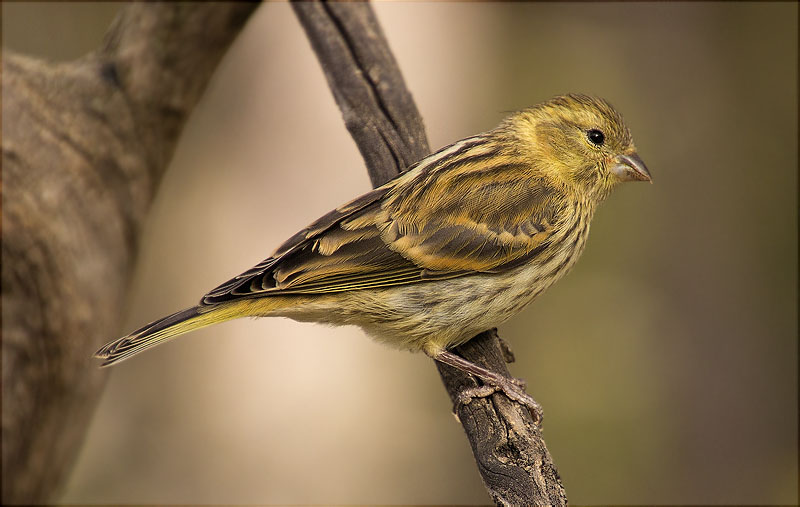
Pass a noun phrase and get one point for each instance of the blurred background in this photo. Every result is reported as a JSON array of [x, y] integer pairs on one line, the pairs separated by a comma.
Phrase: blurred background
[[666, 361]]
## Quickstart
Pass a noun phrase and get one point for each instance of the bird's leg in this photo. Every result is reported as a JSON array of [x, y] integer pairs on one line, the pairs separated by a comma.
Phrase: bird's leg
[[512, 387]]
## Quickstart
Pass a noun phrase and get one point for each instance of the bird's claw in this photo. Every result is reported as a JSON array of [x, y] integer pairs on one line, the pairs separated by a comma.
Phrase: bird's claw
[[514, 388]]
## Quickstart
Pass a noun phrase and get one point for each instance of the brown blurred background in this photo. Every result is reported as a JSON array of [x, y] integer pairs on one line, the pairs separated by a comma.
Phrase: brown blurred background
[[666, 361]]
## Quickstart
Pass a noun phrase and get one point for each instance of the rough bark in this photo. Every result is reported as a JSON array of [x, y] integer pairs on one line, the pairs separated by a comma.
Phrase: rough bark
[[84, 146], [381, 116]]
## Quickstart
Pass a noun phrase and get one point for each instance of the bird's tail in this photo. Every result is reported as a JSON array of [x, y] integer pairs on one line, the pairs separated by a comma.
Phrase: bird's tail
[[162, 330]]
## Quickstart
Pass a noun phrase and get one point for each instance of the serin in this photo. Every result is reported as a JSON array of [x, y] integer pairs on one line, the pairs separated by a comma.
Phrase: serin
[[458, 243]]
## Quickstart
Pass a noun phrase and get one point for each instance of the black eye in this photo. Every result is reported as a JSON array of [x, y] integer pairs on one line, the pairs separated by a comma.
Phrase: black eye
[[596, 137]]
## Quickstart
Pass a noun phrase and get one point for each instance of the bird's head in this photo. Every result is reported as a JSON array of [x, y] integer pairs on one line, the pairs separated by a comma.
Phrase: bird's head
[[582, 142]]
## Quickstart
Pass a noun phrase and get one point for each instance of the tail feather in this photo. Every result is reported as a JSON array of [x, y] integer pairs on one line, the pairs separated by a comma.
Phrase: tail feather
[[158, 332]]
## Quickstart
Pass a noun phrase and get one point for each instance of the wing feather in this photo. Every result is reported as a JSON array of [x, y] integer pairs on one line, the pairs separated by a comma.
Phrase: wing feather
[[441, 219]]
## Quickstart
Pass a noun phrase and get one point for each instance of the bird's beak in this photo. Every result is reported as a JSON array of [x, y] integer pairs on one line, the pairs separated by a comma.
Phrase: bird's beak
[[630, 168]]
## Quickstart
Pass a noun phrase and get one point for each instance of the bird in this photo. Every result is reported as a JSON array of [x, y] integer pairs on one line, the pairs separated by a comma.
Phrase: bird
[[454, 245]]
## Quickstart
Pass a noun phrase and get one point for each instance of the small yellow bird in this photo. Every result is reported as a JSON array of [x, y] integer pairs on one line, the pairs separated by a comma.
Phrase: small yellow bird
[[455, 245]]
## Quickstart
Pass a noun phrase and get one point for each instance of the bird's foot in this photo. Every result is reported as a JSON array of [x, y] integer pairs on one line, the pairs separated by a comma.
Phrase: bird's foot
[[514, 388]]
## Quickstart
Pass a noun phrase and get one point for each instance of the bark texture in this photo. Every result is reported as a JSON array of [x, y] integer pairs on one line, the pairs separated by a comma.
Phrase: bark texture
[[84, 146], [381, 116]]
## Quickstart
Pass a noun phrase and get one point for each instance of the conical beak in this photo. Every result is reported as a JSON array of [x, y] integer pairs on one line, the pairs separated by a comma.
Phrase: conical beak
[[630, 168]]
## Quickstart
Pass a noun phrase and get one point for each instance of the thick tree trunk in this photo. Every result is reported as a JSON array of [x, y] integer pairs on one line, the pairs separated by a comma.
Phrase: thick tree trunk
[[84, 146]]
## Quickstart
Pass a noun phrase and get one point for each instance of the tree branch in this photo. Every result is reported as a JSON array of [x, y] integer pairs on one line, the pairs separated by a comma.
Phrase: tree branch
[[385, 124], [363, 76], [90, 141]]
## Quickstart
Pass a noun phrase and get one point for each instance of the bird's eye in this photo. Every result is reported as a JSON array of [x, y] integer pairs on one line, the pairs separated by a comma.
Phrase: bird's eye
[[596, 137]]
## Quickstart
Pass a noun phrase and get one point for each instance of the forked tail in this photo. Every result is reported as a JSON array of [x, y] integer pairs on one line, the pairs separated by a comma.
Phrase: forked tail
[[160, 331]]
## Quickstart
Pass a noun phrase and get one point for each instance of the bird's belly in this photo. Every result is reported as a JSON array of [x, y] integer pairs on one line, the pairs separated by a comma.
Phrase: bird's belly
[[437, 314]]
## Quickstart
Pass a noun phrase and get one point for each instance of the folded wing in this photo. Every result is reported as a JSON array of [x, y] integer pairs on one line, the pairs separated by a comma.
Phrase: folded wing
[[460, 211]]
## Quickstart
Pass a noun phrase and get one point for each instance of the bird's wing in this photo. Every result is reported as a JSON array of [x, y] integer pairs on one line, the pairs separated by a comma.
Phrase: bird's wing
[[428, 224]]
